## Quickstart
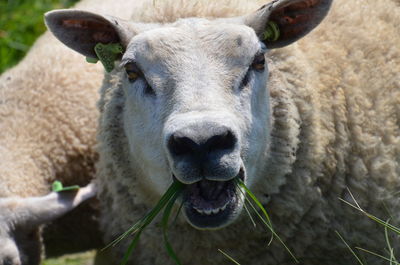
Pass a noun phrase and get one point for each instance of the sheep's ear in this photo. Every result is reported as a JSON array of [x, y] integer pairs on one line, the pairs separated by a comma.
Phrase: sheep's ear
[[34, 211], [282, 22], [82, 30]]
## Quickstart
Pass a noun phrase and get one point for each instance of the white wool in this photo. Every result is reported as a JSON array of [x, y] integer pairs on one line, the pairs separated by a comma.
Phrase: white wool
[[48, 122]]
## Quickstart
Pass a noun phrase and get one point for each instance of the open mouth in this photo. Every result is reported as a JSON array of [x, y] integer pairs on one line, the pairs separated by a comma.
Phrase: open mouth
[[213, 204]]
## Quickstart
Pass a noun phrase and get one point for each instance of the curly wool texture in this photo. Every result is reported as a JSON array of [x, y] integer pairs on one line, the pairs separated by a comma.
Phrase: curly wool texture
[[335, 99], [48, 121], [48, 114]]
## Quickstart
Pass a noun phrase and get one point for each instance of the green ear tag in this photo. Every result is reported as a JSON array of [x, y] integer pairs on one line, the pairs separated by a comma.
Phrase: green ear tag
[[58, 186], [91, 60], [271, 32], [107, 54]]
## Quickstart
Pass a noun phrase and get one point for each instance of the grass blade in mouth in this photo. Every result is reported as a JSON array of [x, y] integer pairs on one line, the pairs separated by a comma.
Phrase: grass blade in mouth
[[165, 218], [167, 202], [254, 198], [172, 192], [178, 212], [131, 247], [266, 220], [249, 214]]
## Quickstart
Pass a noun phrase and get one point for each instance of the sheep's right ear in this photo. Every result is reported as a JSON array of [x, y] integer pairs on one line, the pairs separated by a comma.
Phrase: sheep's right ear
[[282, 22], [82, 30]]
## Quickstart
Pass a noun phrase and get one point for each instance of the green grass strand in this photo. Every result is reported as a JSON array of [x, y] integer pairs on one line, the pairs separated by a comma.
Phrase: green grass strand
[[229, 257], [131, 247], [178, 212], [389, 245], [254, 198], [165, 218], [374, 218], [267, 222], [376, 255], [142, 223], [351, 250], [249, 214]]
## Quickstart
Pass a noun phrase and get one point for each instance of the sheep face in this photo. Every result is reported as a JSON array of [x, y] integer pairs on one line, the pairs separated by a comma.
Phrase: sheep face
[[196, 102]]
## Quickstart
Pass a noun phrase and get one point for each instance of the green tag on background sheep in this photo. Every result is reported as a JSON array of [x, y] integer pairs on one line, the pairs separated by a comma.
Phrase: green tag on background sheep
[[107, 54], [91, 60], [271, 32], [58, 187]]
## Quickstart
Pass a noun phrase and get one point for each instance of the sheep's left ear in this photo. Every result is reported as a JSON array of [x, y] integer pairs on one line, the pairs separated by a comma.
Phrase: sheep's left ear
[[82, 30], [282, 22]]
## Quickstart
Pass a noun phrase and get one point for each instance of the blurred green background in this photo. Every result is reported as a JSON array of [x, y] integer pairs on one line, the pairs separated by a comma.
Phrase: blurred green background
[[77, 259], [21, 22]]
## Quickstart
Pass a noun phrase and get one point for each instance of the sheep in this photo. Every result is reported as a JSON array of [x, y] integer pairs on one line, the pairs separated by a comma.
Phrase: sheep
[[48, 120], [19, 217], [194, 101], [319, 117]]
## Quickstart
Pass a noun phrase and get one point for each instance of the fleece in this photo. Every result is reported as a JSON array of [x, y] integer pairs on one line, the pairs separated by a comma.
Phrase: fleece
[[48, 120]]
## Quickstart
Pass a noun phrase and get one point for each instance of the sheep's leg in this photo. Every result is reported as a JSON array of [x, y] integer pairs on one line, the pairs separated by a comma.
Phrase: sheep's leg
[[20, 218]]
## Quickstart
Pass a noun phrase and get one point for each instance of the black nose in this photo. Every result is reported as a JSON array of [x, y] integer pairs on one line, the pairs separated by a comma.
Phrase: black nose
[[201, 141]]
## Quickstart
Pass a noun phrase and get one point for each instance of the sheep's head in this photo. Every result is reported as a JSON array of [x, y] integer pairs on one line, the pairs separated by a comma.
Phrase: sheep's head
[[196, 101]]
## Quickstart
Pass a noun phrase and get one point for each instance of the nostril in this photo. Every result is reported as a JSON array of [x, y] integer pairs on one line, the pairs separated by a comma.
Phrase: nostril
[[224, 141], [199, 142], [181, 145]]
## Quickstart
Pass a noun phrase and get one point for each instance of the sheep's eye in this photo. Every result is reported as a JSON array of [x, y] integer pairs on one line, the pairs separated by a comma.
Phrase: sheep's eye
[[258, 62], [133, 72]]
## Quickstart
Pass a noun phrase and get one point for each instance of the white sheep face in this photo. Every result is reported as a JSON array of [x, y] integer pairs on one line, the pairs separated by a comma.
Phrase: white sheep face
[[196, 106], [197, 109]]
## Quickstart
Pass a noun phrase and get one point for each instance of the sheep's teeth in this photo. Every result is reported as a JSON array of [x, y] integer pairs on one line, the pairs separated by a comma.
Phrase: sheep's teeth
[[211, 211], [198, 210], [224, 207]]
